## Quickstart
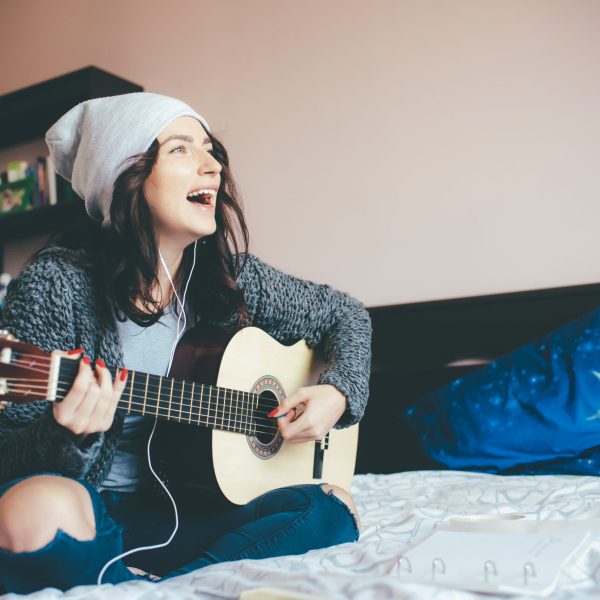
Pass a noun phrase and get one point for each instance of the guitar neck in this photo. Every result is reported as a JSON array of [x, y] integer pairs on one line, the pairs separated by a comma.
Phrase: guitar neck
[[189, 402]]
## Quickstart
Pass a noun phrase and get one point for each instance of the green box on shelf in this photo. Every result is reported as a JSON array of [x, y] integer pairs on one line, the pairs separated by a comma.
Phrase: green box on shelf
[[17, 196]]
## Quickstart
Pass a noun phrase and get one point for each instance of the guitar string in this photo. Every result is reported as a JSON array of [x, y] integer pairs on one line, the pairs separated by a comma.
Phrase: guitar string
[[197, 411], [27, 365], [211, 390], [212, 400], [214, 423], [153, 386], [150, 386]]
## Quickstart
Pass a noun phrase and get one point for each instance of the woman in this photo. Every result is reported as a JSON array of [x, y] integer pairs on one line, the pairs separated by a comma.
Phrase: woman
[[160, 255]]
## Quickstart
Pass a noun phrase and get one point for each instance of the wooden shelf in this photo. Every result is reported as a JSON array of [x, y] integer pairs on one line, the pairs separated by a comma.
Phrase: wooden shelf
[[27, 114], [40, 220]]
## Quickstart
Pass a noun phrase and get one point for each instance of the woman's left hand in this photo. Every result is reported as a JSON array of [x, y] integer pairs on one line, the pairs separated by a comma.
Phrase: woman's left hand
[[310, 412]]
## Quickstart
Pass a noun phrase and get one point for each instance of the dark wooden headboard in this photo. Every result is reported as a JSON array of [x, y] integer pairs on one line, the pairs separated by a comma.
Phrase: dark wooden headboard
[[419, 347]]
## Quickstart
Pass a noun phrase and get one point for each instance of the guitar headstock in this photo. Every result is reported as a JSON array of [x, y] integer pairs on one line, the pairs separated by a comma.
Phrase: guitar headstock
[[24, 371]]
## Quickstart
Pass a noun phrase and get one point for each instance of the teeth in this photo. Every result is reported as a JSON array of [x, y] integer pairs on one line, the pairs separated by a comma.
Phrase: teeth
[[212, 193]]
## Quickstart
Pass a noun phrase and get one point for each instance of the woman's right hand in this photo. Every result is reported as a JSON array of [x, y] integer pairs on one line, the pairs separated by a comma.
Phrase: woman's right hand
[[90, 404]]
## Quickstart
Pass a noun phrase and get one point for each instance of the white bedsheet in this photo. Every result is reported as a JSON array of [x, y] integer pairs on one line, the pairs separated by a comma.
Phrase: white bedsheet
[[397, 511]]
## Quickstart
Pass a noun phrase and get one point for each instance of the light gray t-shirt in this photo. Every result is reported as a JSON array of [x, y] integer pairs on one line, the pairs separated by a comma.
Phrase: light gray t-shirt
[[146, 350]]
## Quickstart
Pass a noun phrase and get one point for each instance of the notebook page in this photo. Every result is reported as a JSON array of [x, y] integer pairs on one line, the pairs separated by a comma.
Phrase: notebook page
[[462, 557]]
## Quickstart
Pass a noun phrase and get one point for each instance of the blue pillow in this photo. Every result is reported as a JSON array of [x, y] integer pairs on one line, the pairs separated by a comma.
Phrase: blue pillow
[[535, 410]]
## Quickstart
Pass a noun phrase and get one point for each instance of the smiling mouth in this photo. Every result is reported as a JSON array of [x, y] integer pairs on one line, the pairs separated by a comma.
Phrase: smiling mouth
[[205, 197]]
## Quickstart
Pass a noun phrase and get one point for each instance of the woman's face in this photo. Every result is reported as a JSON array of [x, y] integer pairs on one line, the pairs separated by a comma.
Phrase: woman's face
[[181, 190]]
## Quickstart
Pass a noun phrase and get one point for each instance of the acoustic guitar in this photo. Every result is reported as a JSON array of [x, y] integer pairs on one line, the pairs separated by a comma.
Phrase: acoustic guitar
[[228, 388]]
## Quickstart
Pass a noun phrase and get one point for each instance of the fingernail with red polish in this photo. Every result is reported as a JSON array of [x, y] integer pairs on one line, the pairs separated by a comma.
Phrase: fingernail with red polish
[[273, 412], [76, 351], [100, 363], [86, 360], [123, 375]]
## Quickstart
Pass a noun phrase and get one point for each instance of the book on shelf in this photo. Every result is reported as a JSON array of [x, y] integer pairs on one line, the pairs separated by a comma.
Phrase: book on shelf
[[51, 181], [40, 168], [26, 187]]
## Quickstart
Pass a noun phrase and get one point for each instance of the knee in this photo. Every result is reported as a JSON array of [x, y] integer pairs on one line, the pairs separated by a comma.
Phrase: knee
[[33, 510], [345, 497]]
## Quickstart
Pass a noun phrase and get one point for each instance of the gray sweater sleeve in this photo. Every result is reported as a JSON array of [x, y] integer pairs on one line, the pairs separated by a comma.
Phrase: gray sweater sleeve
[[30, 439], [289, 309]]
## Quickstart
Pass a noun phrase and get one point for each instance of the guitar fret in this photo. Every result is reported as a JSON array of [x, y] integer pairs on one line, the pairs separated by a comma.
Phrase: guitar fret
[[230, 412], [207, 404], [158, 395], [226, 402], [239, 409], [145, 394], [230, 404], [131, 390], [191, 402], [248, 412], [217, 395], [234, 410], [210, 392], [181, 401], [250, 415], [170, 397], [200, 401], [246, 396], [231, 427], [255, 409], [222, 394], [221, 412]]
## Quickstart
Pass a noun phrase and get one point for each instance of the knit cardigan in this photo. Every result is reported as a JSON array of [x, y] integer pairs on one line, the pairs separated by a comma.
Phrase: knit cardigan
[[55, 304]]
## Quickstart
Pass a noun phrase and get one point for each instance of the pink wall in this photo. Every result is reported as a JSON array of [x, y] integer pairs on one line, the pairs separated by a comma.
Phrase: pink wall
[[400, 150]]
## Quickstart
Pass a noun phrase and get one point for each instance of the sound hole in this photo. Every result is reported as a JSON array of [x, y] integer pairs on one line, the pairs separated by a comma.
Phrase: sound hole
[[267, 402]]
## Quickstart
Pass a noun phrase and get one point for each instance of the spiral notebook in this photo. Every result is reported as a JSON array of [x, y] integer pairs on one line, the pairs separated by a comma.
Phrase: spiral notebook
[[493, 561]]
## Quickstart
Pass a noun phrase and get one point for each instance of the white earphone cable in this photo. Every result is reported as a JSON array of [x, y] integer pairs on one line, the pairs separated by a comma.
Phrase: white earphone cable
[[178, 335]]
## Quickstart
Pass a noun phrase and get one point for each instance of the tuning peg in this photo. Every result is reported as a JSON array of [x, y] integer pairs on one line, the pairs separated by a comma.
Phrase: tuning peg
[[7, 335]]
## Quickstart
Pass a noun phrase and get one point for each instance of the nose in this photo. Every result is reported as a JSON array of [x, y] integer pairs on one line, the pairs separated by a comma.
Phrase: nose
[[208, 164]]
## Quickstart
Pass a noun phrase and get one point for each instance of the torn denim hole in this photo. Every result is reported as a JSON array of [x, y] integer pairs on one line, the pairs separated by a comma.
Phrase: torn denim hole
[[332, 495]]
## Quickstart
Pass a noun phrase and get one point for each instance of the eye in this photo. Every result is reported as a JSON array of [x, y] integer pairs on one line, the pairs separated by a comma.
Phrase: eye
[[177, 150]]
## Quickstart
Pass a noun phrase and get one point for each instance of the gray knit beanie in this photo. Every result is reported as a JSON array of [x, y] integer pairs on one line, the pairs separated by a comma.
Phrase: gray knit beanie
[[91, 143]]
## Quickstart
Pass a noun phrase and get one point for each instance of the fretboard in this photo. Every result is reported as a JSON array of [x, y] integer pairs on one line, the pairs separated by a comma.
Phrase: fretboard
[[189, 402]]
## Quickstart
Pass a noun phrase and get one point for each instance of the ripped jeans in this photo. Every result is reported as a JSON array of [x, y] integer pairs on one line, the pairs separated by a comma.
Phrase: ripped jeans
[[284, 521]]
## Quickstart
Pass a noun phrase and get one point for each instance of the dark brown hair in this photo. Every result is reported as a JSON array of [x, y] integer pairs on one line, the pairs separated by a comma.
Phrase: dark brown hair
[[125, 253]]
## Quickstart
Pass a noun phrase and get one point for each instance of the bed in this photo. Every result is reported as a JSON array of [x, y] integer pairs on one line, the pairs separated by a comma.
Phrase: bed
[[401, 500], [397, 510]]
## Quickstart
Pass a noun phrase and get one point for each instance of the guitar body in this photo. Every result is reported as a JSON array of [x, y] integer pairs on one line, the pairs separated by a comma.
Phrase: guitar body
[[247, 466]]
